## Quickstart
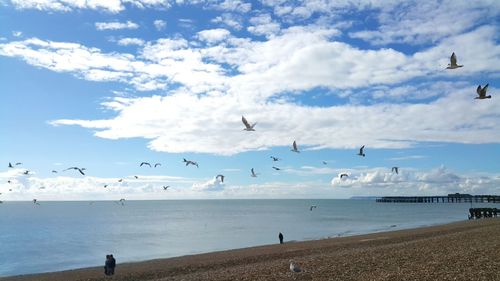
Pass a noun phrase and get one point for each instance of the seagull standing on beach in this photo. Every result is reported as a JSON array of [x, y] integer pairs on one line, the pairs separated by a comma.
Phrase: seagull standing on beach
[[78, 169], [294, 267], [221, 177], [294, 147], [453, 62], [189, 162], [253, 174], [395, 169], [482, 92], [361, 153], [248, 127]]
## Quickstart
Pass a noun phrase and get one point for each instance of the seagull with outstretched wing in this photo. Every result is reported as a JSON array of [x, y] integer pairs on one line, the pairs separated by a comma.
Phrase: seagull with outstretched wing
[[482, 92], [248, 127]]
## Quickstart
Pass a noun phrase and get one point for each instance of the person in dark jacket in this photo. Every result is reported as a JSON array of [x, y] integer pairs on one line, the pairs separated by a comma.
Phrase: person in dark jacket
[[112, 265], [280, 236], [107, 265]]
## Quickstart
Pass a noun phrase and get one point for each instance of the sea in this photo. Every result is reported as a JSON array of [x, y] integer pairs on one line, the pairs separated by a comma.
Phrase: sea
[[55, 236]]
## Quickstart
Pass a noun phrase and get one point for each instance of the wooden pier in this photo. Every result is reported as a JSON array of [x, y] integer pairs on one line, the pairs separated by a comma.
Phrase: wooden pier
[[451, 198]]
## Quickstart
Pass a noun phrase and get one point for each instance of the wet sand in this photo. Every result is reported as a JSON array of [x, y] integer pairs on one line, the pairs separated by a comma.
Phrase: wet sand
[[468, 250]]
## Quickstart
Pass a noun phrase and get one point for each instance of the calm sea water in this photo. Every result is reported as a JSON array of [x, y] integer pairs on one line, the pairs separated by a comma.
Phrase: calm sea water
[[56, 236]]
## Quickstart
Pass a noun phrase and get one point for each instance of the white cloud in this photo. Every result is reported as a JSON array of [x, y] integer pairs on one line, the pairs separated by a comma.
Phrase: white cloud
[[130, 41], [160, 24], [231, 5], [230, 20], [415, 22], [116, 25], [409, 157], [111, 6], [438, 181], [211, 185], [263, 25], [181, 122], [213, 35]]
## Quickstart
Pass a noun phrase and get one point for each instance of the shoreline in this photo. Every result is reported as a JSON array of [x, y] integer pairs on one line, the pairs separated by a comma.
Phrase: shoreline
[[393, 254]]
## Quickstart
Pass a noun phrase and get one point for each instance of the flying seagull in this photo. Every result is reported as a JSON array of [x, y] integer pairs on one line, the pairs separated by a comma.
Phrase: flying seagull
[[312, 207], [294, 147], [343, 175], [482, 92], [453, 62], [276, 168], [395, 169], [18, 163], [105, 185], [120, 180], [35, 202], [76, 168], [145, 163], [165, 187], [9, 181], [54, 171], [253, 174], [26, 172], [361, 153], [248, 127], [189, 162], [122, 201], [275, 158], [324, 162], [294, 267], [136, 177], [10, 165], [221, 177], [157, 164]]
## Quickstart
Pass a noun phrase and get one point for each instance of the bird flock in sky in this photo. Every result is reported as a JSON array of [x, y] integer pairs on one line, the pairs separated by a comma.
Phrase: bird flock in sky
[[481, 94]]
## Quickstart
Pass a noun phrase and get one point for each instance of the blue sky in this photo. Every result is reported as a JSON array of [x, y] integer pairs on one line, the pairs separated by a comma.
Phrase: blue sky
[[106, 85]]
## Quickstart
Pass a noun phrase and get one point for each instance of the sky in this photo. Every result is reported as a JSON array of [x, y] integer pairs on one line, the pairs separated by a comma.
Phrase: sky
[[106, 85]]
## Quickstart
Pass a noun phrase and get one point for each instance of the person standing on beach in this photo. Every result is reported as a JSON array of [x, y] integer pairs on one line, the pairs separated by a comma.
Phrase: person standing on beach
[[280, 236], [112, 265], [107, 265]]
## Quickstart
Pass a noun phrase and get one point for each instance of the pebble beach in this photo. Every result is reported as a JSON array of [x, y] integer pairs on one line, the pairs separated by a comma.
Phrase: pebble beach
[[467, 250]]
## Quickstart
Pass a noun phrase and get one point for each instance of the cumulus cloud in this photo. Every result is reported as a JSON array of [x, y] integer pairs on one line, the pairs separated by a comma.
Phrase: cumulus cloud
[[111, 6], [230, 20], [415, 22], [211, 185], [213, 35], [160, 24], [181, 122], [263, 25], [231, 5], [130, 41], [116, 25], [438, 181]]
